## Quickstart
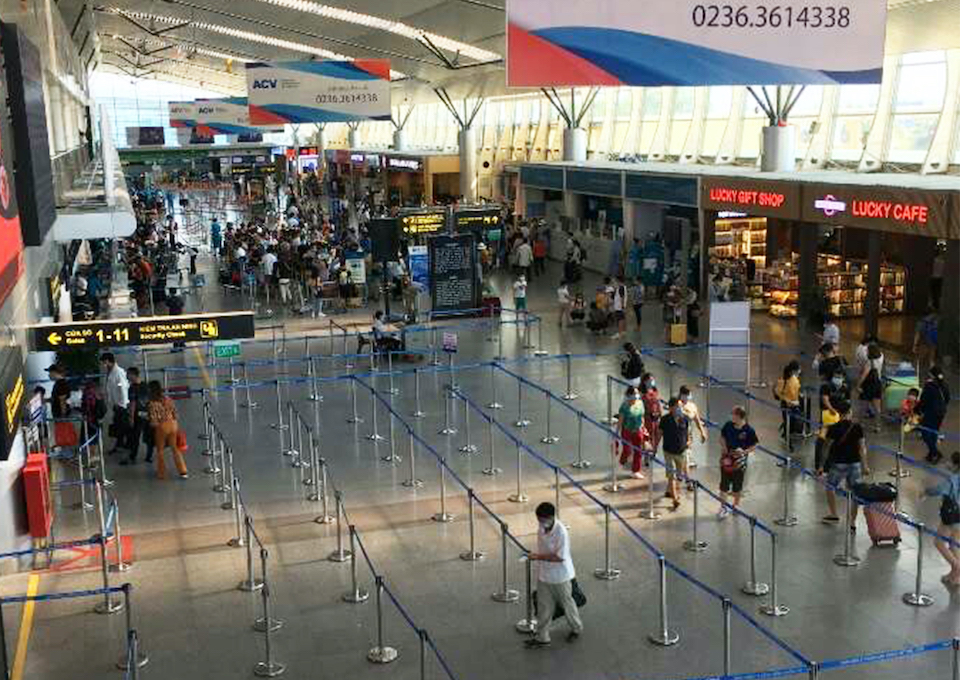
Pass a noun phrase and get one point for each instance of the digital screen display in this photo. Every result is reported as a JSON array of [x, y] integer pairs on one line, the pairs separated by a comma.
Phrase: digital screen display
[[477, 220], [423, 223], [14, 387]]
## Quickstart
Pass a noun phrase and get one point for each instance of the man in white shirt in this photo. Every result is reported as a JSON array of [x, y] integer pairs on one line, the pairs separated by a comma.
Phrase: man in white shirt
[[117, 397], [555, 578], [524, 257]]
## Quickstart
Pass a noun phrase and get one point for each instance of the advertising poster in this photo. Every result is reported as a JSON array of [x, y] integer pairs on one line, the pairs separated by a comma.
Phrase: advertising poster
[[318, 91], [11, 241], [690, 42], [182, 114], [419, 265], [358, 270], [228, 116]]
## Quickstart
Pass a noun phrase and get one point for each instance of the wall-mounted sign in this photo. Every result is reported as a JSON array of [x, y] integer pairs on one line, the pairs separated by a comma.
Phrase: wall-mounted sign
[[926, 213], [318, 91], [541, 177], [423, 223], [13, 386], [145, 136], [409, 164], [691, 42], [11, 237], [419, 264], [477, 219], [596, 183], [159, 330], [761, 198], [661, 189]]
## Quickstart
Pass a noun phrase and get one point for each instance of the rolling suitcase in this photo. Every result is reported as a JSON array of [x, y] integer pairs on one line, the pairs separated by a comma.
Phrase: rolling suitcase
[[881, 523]]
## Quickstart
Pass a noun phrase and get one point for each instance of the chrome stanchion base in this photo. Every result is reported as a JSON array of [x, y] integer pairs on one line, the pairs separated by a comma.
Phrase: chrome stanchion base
[[339, 556], [107, 482], [412, 483], [120, 567], [903, 473], [468, 448], [358, 596], [609, 420], [581, 464], [417, 414], [317, 398], [842, 560], [382, 655], [290, 452], [280, 427], [248, 586], [694, 546], [206, 452], [540, 352], [495, 405], [447, 431], [549, 440], [443, 517], [666, 638], [375, 437], [472, 556], [392, 391], [227, 505], [435, 362], [309, 482], [325, 519], [571, 396], [523, 422], [236, 542], [527, 626], [393, 459], [610, 487], [651, 515], [355, 421], [779, 610], [299, 462], [755, 589], [518, 498], [786, 521], [917, 599], [607, 574], [142, 660], [218, 488], [82, 506], [506, 596], [250, 405], [489, 472], [269, 670], [202, 437], [260, 625], [110, 606], [211, 470]]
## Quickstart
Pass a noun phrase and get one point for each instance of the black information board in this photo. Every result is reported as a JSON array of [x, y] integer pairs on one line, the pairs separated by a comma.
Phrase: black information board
[[384, 239], [13, 387], [453, 275], [477, 220], [156, 330], [423, 222]]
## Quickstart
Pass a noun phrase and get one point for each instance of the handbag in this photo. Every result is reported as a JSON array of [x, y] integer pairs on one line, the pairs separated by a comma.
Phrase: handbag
[[578, 597], [949, 511], [182, 445], [65, 435]]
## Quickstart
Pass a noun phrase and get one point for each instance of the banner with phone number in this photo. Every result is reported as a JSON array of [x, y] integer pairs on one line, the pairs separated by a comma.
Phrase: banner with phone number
[[693, 42]]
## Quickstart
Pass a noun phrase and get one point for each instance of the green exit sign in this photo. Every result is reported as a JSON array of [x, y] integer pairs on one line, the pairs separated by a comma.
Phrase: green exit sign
[[226, 350]]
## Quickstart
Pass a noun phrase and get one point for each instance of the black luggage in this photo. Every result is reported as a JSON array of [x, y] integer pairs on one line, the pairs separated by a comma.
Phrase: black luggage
[[884, 492]]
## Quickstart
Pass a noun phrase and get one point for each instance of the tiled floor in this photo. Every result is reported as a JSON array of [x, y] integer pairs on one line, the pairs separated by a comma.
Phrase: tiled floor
[[195, 624]]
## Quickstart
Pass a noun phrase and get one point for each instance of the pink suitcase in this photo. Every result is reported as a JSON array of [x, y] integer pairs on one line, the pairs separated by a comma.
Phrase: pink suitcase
[[881, 523]]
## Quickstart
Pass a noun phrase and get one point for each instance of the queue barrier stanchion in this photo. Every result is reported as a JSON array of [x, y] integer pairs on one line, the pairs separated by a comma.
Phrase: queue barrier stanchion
[[491, 470], [249, 403], [528, 624], [774, 607], [494, 404], [375, 435], [548, 437], [205, 435], [280, 426], [315, 395], [102, 456], [917, 598], [899, 471], [381, 654], [472, 555], [325, 517], [651, 512], [443, 516], [238, 540], [355, 418], [340, 555], [392, 389], [580, 463], [519, 496], [135, 658], [357, 595], [607, 572], [109, 605], [506, 594], [788, 519], [569, 395], [694, 544], [754, 587], [956, 659], [525, 334], [521, 422], [609, 417], [614, 485], [251, 583], [727, 637], [391, 457], [313, 480], [468, 446], [213, 467], [448, 429], [418, 411], [412, 482], [121, 565], [664, 637], [847, 558], [268, 668]]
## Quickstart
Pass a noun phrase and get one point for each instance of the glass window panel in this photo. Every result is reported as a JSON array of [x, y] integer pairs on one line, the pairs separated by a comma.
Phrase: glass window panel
[[752, 133], [809, 102], [624, 103], [921, 88], [647, 133], [804, 136], [713, 136], [849, 135], [683, 102], [720, 101], [911, 137], [858, 99], [678, 135], [652, 99], [619, 136]]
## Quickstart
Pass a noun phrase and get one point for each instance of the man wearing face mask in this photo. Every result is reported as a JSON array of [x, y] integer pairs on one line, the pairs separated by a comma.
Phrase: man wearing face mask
[[834, 394], [555, 579]]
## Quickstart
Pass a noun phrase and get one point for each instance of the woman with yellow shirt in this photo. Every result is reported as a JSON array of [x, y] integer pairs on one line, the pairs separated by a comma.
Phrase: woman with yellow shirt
[[787, 391]]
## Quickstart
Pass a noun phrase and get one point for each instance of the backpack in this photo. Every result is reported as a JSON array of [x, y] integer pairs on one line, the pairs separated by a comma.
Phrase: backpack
[[949, 511], [631, 368]]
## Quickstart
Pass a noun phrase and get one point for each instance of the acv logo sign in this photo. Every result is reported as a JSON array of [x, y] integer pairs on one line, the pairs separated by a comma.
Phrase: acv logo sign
[[830, 206], [265, 84]]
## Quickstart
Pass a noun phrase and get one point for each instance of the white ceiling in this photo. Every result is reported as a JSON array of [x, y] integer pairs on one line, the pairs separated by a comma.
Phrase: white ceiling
[[205, 32]]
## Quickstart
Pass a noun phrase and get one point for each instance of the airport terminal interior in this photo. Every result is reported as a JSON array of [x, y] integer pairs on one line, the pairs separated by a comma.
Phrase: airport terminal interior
[[480, 339]]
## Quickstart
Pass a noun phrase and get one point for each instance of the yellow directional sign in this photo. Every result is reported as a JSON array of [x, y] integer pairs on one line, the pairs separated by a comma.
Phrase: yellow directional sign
[[159, 330]]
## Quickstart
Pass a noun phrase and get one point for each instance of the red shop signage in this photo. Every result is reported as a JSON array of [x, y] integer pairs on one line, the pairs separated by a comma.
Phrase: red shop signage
[[754, 197]]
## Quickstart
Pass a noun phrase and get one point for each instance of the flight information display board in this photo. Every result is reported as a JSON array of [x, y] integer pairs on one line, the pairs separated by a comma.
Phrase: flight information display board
[[157, 330], [453, 272]]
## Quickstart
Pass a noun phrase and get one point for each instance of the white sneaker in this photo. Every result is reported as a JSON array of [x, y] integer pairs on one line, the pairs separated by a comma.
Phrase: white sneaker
[[723, 514], [321, 315]]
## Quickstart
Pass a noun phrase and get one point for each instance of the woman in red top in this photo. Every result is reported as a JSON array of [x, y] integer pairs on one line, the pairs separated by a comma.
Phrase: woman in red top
[[652, 410], [540, 253]]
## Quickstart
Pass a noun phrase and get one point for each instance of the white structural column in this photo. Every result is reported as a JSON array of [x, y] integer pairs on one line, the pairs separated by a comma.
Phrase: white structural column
[[574, 144], [321, 137], [574, 137], [946, 140], [468, 164], [694, 140], [59, 125], [399, 140], [877, 146], [733, 132], [820, 146], [661, 138], [353, 137]]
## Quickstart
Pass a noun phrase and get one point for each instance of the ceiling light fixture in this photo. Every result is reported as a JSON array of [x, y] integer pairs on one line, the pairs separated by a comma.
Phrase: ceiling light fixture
[[379, 23]]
